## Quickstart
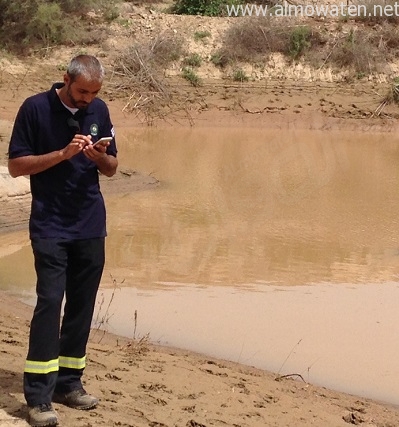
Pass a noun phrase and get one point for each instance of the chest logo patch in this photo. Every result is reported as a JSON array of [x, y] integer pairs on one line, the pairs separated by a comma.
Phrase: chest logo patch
[[94, 129]]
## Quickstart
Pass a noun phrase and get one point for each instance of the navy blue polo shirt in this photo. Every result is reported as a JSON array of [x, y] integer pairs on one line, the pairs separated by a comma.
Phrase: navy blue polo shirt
[[66, 198]]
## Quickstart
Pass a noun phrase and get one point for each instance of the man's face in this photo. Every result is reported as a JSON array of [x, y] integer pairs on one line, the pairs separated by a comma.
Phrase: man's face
[[80, 92]]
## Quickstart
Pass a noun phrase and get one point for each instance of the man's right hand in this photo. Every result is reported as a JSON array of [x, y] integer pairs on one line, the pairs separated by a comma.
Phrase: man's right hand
[[75, 146]]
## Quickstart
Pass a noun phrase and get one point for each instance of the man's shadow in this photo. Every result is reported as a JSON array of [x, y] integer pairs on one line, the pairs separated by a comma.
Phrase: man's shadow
[[10, 385]]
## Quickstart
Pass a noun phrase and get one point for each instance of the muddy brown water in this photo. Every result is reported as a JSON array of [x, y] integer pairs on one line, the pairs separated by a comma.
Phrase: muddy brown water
[[277, 249]]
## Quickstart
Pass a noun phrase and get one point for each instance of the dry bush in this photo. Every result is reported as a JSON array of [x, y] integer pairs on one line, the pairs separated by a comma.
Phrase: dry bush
[[166, 49], [321, 43], [356, 51], [86, 37], [357, 47], [139, 74], [365, 51], [136, 348], [386, 40], [254, 40], [392, 97]]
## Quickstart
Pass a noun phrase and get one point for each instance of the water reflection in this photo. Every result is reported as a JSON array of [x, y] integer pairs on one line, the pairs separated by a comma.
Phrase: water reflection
[[251, 205]]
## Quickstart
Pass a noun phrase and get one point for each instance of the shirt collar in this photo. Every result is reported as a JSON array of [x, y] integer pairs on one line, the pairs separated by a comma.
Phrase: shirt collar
[[57, 104]]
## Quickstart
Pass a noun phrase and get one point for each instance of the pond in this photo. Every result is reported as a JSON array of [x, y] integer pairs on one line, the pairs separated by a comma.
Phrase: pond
[[277, 249]]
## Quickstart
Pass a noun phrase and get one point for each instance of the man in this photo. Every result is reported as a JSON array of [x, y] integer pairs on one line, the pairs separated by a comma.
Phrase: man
[[53, 142]]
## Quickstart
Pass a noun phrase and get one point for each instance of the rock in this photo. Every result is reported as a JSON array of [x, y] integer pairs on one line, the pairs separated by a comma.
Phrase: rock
[[12, 187]]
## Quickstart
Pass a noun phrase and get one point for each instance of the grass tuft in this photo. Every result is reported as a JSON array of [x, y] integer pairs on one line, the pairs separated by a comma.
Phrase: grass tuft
[[191, 76]]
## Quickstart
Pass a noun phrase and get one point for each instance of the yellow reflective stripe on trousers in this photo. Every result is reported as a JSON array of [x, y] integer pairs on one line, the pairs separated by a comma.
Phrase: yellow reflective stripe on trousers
[[73, 362], [36, 367]]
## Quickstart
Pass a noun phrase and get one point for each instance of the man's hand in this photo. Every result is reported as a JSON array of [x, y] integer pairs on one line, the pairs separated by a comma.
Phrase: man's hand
[[78, 143], [95, 153], [106, 163]]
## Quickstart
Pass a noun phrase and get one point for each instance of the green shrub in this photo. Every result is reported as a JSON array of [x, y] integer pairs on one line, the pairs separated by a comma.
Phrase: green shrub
[[110, 11], [200, 7], [191, 76], [193, 60], [240, 76], [201, 35], [299, 41], [219, 59], [46, 24], [78, 6], [14, 18], [31, 24]]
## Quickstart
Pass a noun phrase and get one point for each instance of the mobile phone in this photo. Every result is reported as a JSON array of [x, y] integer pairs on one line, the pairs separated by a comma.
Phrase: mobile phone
[[103, 141]]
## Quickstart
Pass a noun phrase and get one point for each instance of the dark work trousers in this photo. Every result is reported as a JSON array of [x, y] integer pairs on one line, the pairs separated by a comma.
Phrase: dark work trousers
[[56, 356]]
